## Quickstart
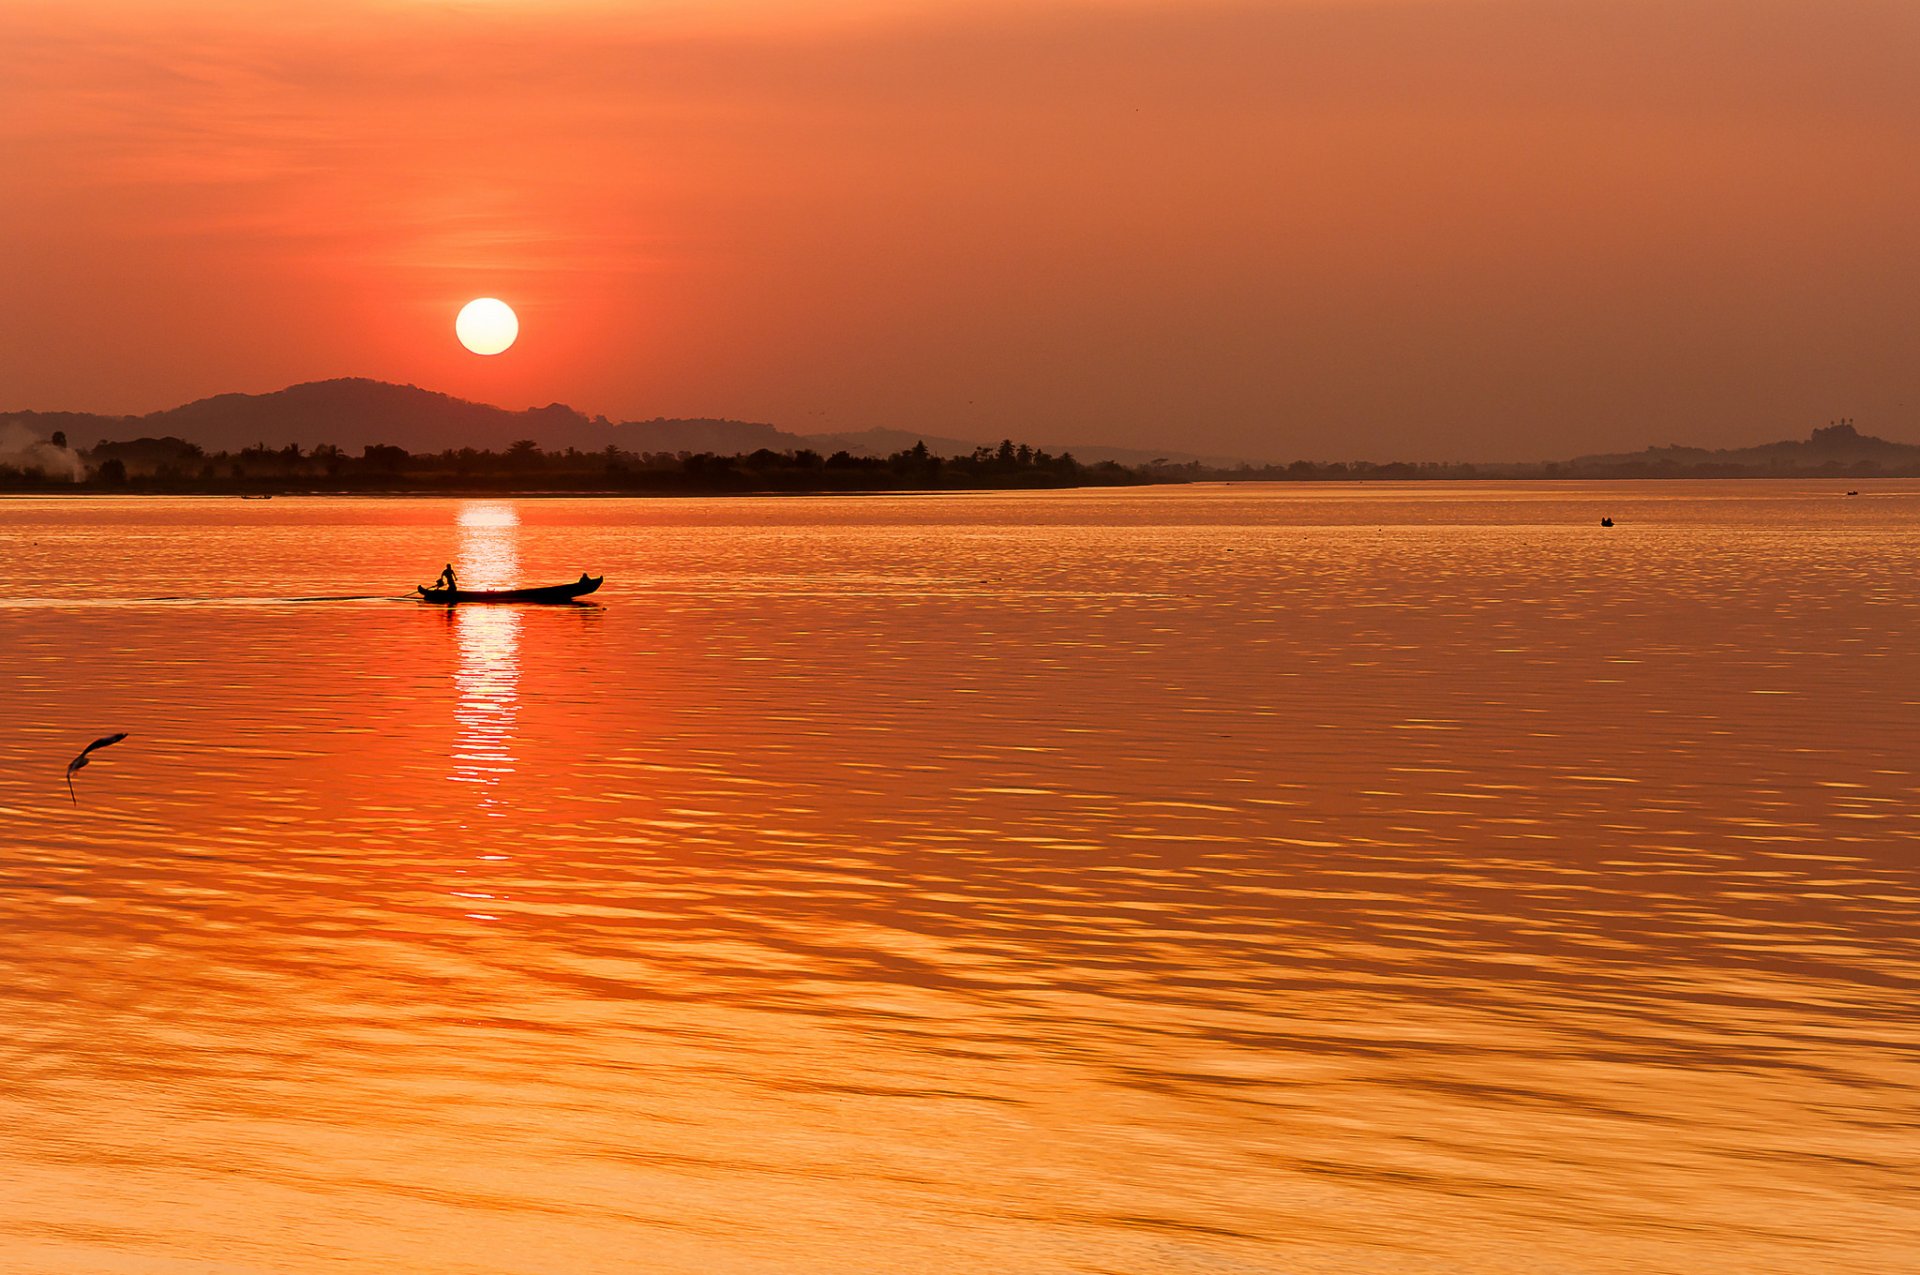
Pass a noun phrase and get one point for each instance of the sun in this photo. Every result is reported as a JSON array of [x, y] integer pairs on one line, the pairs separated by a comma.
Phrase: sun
[[486, 325]]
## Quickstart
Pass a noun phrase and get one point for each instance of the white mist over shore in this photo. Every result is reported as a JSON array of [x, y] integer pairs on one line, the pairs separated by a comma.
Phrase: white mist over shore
[[21, 448]]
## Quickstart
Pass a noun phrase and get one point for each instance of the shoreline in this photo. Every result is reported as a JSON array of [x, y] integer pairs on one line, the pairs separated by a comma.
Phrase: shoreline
[[265, 492]]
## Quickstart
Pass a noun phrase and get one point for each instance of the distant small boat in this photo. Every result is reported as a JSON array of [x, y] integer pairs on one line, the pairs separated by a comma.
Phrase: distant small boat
[[256, 497], [550, 593]]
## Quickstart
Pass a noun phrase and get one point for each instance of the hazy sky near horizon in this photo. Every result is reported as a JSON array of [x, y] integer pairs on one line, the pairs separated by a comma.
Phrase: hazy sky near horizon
[[1326, 228]]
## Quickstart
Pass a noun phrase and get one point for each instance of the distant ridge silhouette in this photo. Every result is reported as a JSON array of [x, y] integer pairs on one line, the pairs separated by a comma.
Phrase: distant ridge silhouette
[[1835, 448], [356, 412]]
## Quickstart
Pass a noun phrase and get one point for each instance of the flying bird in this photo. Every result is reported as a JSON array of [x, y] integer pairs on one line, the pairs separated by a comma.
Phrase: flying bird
[[81, 760]]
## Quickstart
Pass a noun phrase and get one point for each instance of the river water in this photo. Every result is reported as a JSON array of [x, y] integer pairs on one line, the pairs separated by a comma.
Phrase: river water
[[1282, 879]]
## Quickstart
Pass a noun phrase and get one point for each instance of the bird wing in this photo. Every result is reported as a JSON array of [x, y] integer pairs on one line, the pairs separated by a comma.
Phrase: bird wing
[[101, 742]]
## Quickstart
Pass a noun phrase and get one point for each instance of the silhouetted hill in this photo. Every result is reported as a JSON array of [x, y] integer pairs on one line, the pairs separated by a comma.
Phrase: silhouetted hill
[[354, 412], [1836, 450], [350, 413]]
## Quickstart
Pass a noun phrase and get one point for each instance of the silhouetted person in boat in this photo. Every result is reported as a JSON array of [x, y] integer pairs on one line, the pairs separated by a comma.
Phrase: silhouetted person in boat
[[1606, 522], [446, 580]]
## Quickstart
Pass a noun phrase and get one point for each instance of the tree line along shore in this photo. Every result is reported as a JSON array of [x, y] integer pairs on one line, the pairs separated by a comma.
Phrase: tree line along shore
[[173, 466]]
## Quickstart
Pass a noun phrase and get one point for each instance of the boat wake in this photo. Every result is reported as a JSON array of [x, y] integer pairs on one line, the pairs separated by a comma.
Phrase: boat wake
[[56, 604]]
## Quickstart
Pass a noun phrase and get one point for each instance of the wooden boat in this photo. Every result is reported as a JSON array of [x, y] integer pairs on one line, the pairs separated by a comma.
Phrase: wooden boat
[[550, 593]]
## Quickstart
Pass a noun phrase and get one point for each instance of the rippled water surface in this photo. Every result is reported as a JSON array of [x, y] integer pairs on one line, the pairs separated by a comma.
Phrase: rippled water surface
[[1239, 879]]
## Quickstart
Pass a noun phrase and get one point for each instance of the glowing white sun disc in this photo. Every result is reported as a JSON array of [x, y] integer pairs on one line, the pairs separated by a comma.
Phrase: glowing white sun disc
[[486, 326]]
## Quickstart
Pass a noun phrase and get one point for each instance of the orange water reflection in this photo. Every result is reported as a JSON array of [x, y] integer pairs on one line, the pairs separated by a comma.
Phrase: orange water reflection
[[1409, 880], [488, 678], [486, 681]]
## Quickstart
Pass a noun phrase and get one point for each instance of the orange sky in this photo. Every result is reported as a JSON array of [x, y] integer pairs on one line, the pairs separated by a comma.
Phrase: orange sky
[[1331, 228]]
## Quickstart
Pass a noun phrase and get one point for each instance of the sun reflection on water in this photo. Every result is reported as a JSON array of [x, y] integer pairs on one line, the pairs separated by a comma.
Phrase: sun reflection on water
[[487, 680], [489, 545], [488, 685]]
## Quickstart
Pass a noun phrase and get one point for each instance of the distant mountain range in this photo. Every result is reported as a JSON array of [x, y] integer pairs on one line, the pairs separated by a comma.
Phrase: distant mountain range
[[354, 412]]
